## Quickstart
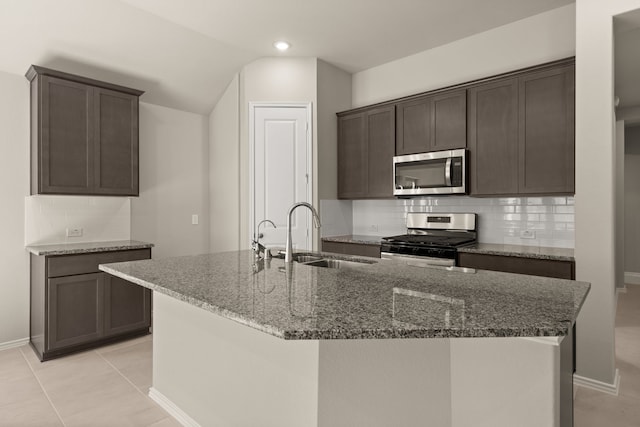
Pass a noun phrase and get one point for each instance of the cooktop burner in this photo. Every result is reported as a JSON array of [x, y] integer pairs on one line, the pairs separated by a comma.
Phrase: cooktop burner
[[430, 240]]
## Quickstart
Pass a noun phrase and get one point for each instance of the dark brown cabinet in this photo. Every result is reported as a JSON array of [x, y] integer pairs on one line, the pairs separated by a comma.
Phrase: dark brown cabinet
[[74, 306], [361, 249], [558, 269], [127, 307], [432, 123], [521, 134], [75, 314], [365, 153], [493, 136], [84, 135], [546, 132]]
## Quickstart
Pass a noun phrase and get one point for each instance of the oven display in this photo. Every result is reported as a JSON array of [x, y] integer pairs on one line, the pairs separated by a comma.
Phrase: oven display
[[439, 219]]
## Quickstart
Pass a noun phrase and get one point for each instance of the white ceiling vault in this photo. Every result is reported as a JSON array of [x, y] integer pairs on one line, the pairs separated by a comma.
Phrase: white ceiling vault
[[183, 53]]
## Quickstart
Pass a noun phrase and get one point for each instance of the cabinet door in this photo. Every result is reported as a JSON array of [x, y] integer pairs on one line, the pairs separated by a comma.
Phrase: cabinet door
[[116, 143], [413, 131], [449, 120], [127, 306], [432, 123], [352, 156], [380, 135], [546, 132], [75, 313], [66, 137], [493, 138]]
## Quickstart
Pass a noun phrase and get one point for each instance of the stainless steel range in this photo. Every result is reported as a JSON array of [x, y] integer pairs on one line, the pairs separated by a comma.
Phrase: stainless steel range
[[432, 238]]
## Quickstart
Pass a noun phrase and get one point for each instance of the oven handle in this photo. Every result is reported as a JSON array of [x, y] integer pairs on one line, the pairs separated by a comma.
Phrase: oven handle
[[447, 172], [419, 260]]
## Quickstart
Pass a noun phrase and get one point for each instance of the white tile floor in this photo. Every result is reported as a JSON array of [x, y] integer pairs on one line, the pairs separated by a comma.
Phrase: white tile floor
[[108, 386], [102, 387], [596, 409]]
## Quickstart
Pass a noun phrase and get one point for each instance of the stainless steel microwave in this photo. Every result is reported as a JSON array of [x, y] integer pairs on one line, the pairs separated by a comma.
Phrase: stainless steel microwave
[[438, 172]]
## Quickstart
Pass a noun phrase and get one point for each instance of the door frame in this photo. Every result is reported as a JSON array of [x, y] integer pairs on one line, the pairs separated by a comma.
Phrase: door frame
[[308, 106]]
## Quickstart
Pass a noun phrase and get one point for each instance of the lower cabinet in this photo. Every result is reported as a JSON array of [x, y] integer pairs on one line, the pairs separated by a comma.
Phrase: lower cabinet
[[75, 306], [127, 306], [75, 313], [361, 249], [558, 269]]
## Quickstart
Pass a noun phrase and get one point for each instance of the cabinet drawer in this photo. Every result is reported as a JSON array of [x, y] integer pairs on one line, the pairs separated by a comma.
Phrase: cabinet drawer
[[372, 251], [509, 264], [67, 265]]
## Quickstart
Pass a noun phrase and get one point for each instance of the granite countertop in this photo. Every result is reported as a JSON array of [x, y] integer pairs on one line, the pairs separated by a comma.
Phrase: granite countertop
[[87, 247], [385, 299], [353, 238], [538, 252]]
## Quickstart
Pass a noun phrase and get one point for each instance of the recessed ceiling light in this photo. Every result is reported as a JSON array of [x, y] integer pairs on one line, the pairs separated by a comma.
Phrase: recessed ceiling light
[[282, 45]]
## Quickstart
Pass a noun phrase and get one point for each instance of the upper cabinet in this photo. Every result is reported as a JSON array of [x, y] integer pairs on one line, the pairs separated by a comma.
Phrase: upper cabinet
[[365, 153], [518, 128], [84, 135], [493, 136], [521, 134], [546, 126], [432, 123]]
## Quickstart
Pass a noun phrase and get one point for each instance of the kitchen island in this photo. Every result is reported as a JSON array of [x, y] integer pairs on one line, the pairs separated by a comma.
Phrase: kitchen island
[[240, 342]]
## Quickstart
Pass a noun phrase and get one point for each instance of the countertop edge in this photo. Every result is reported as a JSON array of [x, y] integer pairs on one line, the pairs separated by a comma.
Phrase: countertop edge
[[292, 334], [92, 247], [516, 254]]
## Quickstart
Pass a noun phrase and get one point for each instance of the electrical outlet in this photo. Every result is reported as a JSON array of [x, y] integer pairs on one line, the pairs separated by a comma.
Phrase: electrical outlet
[[373, 227], [527, 234], [74, 232]]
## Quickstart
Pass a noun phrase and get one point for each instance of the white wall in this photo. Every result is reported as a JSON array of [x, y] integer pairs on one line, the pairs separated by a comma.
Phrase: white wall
[[100, 218], [595, 185], [632, 204], [619, 226], [224, 171], [541, 38], [174, 171], [334, 95], [14, 179]]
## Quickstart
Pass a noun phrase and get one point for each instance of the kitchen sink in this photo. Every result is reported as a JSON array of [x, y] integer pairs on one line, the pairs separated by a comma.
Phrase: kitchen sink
[[337, 263]]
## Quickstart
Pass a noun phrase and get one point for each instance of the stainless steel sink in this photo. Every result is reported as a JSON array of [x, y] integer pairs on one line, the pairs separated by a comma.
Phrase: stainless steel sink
[[336, 263], [306, 258]]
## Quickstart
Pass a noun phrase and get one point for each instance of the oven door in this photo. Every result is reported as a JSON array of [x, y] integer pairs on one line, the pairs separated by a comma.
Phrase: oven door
[[441, 172], [418, 261]]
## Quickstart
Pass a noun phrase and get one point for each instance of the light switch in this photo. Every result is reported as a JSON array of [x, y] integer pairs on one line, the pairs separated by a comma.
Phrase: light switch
[[194, 219]]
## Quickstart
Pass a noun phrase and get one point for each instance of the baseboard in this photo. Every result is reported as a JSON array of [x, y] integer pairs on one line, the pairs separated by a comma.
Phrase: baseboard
[[631, 278], [12, 344], [599, 385], [172, 408]]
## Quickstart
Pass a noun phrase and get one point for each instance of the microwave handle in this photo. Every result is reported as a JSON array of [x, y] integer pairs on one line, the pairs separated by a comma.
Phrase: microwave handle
[[447, 172]]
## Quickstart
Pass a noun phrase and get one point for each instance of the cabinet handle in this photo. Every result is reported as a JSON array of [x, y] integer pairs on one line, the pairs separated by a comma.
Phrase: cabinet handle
[[447, 172]]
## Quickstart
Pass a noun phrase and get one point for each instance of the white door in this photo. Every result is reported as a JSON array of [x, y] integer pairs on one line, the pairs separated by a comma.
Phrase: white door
[[281, 157]]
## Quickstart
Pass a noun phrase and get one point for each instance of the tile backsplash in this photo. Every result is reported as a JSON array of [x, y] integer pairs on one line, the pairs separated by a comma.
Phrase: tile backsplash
[[101, 219], [500, 220]]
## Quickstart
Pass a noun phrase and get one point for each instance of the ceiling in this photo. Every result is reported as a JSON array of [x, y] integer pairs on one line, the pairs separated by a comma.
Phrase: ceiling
[[184, 53]]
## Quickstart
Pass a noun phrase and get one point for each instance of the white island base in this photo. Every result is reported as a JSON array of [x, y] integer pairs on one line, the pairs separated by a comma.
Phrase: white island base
[[212, 371]]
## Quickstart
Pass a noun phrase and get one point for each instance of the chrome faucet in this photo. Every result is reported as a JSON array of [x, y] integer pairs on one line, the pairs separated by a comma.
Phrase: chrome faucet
[[258, 247], [288, 256]]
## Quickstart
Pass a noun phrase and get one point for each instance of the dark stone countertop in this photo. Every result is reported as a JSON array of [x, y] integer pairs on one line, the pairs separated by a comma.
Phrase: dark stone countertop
[[87, 247], [372, 301], [521, 251], [352, 238]]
